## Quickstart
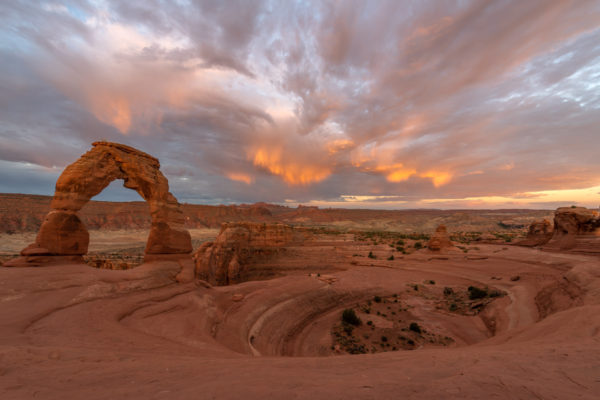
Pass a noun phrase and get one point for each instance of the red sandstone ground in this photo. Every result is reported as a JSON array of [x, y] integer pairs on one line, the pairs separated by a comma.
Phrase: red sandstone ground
[[72, 331]]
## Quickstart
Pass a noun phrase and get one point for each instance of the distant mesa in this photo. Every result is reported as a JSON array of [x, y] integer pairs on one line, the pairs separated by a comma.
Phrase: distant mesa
[[64, 238], [440, 240]]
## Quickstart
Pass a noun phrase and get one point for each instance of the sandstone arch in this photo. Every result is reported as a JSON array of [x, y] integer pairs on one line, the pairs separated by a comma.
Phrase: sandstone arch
[[63, 234]]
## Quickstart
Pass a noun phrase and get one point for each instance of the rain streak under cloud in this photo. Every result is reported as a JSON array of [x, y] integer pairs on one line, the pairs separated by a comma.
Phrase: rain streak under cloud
[[399, 104]]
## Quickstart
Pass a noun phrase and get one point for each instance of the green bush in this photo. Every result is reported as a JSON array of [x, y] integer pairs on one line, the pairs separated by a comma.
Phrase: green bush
[[476, 293], [415, 327], [349, 317], [377, 299], [418, 245], [448, 291], [391, 258], [371, 255]]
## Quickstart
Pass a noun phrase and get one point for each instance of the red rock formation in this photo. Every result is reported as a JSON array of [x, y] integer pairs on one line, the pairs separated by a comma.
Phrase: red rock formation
[[540, 233], [440, 239], [224, 261], [63, 234], [576, 229]]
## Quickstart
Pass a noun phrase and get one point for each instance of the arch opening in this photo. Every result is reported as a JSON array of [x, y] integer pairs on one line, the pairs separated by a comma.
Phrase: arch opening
[[118, 221]]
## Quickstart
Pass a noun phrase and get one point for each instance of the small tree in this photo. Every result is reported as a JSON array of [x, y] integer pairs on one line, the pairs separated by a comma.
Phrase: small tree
[[350, 317], [415, 327]]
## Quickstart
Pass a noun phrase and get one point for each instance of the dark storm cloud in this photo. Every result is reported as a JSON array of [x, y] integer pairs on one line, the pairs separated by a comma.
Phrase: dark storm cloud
[[309, 100]]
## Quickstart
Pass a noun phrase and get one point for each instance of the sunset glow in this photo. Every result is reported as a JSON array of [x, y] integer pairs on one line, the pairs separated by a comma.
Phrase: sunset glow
[[460, 104]]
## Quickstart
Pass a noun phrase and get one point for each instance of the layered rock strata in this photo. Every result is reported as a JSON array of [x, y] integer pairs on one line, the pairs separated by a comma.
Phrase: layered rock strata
[[576, 229], [539, 233], [440, 239], [226, 260]]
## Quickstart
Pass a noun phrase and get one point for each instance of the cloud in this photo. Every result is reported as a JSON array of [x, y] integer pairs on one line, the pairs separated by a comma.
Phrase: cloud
[[313, 100]]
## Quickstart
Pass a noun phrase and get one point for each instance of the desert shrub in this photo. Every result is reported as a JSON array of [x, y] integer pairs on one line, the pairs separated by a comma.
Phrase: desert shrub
[[418, 245], [414, 327], [400, 242], [430, 282], [448, 291], [369, 323], [371, 255], [400, 248], [384, 339], [391, 258], [350, 317], [453, 307], [477, 293], [377, 299]]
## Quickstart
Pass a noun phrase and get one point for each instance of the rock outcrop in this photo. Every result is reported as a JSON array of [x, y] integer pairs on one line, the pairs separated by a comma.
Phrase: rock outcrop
[[539, 233], [440, 239], [576, 229], [225, 260], [63, 234]]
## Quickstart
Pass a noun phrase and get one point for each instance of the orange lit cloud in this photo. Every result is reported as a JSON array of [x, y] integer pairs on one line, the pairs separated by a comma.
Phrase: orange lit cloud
[[438, 178], [398, 172], [240, 177], [292, 172], [115, 111]]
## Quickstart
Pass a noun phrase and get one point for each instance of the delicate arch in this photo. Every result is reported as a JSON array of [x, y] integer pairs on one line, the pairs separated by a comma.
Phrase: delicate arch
[[62, 232]]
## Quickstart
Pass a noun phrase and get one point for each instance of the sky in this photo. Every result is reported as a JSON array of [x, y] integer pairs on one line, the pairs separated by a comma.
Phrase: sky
[[371, 104]]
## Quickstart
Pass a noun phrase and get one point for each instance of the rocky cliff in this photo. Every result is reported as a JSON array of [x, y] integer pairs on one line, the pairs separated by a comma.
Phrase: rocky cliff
[[576, 229], [539, 233], [226, 260]]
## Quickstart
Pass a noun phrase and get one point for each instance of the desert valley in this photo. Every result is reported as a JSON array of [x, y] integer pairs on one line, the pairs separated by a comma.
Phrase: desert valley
[[278, 301]]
